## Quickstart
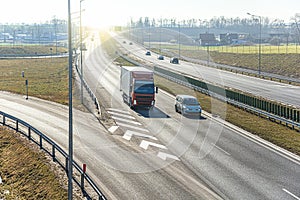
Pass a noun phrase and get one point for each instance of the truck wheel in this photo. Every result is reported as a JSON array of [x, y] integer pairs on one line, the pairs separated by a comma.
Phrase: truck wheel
[[176, 110]]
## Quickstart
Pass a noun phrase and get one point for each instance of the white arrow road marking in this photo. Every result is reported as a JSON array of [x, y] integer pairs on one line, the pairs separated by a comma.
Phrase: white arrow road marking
[[120, 115], [164, 156], [125, 120], [132, 127], [145, 144], [129, 134], [119, 111], [113, 129]]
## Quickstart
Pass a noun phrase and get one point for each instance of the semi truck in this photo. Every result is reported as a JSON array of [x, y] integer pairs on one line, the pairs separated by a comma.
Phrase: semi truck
[[137, 86]]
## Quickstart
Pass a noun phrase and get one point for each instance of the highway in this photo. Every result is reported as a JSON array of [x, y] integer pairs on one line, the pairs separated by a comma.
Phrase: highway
[[160, 154], [238, 168], [284, 93]]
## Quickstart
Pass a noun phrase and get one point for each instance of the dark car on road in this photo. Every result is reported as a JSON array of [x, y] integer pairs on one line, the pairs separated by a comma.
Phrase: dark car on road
[[148, 53], [174, 60], [160, 57]]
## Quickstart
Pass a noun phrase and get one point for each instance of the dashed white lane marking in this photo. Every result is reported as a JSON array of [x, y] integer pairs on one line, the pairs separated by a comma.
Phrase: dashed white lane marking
[[129, 134], [113, 129], [291, 194], [131, 127], [121, 115], [145, 144], [118, 111], [125, 120], [164, 156], [221, 149]]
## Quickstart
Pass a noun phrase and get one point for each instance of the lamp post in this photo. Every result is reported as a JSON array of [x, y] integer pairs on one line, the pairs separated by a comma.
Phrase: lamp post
[[179, 41], [70, 160], [81, 67], [259, 45]]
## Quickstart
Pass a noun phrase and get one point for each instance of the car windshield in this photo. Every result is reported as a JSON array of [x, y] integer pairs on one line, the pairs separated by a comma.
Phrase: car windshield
[[190, 101], [144, 87]]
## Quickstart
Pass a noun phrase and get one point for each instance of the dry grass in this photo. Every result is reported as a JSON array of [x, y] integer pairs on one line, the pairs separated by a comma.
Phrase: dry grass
[[47, 77], [25, 172], [30, 49]]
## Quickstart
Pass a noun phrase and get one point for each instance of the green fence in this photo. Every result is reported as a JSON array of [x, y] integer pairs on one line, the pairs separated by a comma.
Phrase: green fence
[[256, 102]]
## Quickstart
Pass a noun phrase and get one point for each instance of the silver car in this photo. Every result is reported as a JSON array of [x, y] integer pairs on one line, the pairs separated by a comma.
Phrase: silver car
[[187, 105]]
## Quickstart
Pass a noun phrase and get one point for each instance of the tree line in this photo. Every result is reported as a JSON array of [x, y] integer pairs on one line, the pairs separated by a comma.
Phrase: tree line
[[237, 24]]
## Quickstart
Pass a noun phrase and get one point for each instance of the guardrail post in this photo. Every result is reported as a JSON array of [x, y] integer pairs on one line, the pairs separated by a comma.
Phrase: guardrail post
[[53, 153], [17, 126], [67, 164], [3, 121], [29, 133], [41, 142], [82, 178]]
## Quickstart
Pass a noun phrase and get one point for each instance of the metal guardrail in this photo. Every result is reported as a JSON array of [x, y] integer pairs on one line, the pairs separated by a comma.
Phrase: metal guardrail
[[92, 95], [243, 70], [82, 179], [289, 117], [287, 122], [29, 56]]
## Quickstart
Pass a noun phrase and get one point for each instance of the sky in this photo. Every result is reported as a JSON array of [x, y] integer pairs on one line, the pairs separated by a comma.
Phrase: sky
[[118, 12]]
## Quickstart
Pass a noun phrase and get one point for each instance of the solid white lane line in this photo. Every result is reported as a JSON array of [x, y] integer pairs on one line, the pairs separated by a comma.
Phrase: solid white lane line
[[127, 121], [164, 156], [113, 129], [118, 111], [129, 134], [121, 115], [145, 144], [221, 149], [298, 198], [132, 127]]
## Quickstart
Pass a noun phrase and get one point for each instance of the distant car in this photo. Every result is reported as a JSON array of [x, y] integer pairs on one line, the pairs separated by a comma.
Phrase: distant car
[[130, 43], [148, 53], [174, 60], [124, 42], [187, 105], [160, 57]]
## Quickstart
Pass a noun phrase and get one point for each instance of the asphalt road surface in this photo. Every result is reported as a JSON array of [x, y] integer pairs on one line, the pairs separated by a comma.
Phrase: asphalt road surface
[[284, 93], [160, 154]]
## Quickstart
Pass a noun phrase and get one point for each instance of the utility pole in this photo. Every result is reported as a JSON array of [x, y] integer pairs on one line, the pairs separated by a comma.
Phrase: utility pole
[[260, 40], [70, 160]]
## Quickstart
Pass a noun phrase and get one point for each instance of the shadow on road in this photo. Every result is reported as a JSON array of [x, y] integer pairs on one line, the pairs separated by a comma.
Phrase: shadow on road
[[152, 113], [195, 117]]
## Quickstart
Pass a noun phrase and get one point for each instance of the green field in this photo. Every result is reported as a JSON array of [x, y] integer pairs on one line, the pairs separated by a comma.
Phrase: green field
[[30, 49], [241, 49], [273, 59], [47, 77]]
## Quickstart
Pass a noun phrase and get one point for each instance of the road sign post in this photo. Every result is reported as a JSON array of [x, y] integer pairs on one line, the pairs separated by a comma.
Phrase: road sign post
[[26, 83]]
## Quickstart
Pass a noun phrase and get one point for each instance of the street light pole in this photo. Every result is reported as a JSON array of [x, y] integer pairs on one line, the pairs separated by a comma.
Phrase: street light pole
[[81, 66], [260, 41], [70, 160], [179, 41]]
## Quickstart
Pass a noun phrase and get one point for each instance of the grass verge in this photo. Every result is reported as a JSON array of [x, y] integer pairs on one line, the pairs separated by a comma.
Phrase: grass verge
[[25, 172], [47, 78], [31, 49]]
